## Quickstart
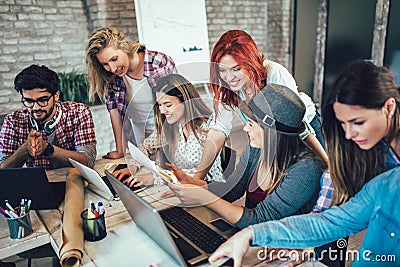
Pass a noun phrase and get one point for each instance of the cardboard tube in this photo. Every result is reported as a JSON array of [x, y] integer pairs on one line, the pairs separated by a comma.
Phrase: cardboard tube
[[72, 244]]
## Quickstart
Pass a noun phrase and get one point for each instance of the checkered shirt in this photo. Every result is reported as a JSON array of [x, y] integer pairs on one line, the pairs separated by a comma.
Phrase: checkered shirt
[[325, 195], [74, 130], [156, 65]]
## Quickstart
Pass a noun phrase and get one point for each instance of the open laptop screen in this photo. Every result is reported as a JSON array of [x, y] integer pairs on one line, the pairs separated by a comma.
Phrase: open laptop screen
[[147, 218], [30, 183]]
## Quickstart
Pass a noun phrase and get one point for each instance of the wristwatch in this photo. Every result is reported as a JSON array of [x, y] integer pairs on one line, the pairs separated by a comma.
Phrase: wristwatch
[[49, 150]]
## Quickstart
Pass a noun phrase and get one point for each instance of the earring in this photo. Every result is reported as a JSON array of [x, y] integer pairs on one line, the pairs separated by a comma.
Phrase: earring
[[389, 116]]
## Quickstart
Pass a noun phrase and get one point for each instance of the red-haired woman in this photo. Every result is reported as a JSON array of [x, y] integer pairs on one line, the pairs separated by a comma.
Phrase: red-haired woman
[[239, 71]]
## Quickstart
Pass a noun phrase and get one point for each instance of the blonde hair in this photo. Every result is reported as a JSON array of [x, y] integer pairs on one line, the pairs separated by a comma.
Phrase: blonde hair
[[99, 78]]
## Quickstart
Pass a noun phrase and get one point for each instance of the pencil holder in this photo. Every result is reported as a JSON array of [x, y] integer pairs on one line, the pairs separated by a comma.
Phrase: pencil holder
[[20, 227], [94, 228]]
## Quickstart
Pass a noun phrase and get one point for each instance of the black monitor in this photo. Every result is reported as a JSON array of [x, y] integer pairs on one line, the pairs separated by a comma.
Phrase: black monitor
[[30, 183]]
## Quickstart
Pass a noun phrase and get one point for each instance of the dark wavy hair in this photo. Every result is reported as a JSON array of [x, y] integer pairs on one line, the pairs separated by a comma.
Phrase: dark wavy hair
[[36, 76], [369, 86]]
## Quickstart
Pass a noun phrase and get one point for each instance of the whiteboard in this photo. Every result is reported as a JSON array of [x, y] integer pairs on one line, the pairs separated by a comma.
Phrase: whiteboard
[[177, 28]]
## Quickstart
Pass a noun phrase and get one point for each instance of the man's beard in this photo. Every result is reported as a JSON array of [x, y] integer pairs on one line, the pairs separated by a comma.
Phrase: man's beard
[[46, 116]]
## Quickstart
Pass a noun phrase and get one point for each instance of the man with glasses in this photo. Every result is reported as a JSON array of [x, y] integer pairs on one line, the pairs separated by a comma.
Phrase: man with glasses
[[47, 132]]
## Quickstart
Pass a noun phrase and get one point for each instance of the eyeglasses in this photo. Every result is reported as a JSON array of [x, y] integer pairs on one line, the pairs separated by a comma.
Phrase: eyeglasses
[[42, 102]]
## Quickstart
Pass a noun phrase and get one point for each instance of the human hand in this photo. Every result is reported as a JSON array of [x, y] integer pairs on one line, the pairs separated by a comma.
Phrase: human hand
[[183, 178], [235, 247], [190, 194], [167, 194], [113, 155], [146, 179], [293, 256], [35, 144], [122, 174], [132, 182]]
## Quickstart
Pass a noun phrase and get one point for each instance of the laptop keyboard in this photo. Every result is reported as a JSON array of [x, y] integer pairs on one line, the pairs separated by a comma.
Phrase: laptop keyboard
[[193, 229]]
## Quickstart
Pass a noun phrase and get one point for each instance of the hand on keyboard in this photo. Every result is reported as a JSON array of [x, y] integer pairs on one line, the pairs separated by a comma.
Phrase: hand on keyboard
[[125, 176], [146, 179], [236, 247], [122, 174]]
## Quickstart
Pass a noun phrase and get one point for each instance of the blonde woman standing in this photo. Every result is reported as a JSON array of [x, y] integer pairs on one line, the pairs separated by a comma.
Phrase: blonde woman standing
[[122, 71]]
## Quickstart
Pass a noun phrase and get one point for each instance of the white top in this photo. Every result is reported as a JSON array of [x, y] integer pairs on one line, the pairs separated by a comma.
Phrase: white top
[[142, 99], [140, 107], [277, 74], [188, 153]]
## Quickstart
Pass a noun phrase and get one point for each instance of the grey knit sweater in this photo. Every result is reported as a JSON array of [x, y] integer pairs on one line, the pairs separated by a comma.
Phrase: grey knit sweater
[[296, 194]]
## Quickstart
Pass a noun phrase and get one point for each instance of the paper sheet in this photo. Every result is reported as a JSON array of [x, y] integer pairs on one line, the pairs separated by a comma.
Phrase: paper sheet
[[72, 244], [138, 155]]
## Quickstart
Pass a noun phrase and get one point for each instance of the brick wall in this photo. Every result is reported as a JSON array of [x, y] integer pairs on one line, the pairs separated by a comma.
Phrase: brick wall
[[42, 32], [250, 16], [103, 128], [278, 35], [54, 33], [116, 13]]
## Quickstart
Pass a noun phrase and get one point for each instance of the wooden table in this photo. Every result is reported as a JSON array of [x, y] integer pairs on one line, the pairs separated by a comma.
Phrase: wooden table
[[125, 243], [9, 247]]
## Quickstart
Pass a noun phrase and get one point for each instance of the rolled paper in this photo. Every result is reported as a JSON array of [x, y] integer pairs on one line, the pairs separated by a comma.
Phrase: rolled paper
[[72, 242]]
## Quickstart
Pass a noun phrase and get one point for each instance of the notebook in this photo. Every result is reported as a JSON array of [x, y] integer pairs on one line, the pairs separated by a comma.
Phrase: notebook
[[183, 244], [96, 183], [30, 183]]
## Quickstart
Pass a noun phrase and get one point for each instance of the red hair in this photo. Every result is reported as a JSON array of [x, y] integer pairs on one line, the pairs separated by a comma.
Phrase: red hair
[[239, 45]]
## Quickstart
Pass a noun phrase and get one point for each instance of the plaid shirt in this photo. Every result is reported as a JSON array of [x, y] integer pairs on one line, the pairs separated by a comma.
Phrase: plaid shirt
[[74, 130], [156, 65], [325, 195]]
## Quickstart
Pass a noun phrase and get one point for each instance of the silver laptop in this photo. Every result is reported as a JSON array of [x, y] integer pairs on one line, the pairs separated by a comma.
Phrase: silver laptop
[[187, 244], [97, 184]]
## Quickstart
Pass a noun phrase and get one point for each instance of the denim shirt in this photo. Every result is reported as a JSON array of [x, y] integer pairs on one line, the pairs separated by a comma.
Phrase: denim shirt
[[376, 207], [326, 193]]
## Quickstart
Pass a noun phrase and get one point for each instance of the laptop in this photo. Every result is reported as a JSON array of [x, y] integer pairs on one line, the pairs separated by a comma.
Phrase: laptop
[[30, 183], [184, 237], [97, 184]]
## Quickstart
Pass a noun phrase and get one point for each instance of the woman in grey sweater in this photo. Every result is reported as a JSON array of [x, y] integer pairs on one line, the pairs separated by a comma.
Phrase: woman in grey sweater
[[280, 181]]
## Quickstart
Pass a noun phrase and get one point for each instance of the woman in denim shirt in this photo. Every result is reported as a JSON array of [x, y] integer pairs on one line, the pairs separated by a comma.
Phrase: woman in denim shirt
[[364, 106], [375, 207], [362, 86]]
